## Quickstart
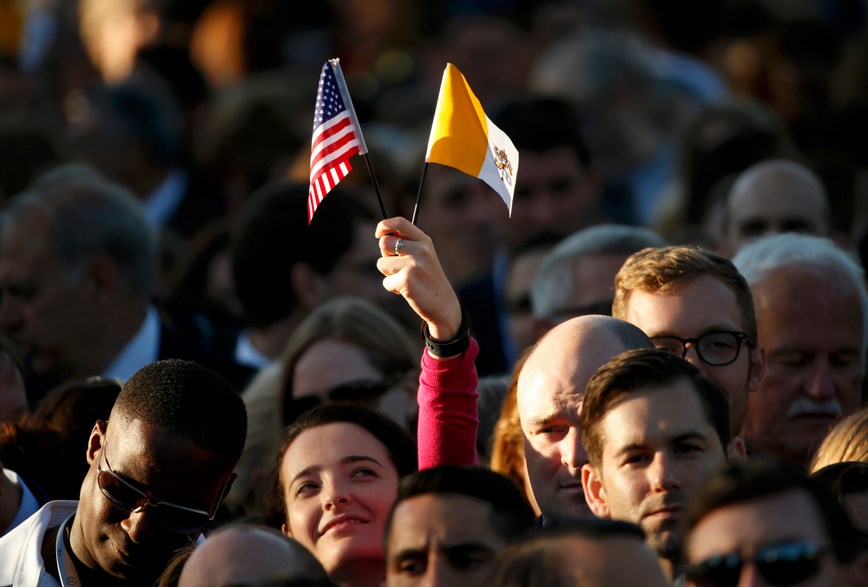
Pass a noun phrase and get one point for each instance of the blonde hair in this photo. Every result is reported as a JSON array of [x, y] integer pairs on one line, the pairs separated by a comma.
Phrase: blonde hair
[[847, 440]]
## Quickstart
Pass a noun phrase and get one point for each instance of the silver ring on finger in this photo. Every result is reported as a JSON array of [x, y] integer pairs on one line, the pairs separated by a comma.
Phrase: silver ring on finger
[[399, 244]]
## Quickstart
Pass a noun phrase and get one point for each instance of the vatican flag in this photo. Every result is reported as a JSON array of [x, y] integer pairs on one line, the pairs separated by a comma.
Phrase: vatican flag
[[463, 137]]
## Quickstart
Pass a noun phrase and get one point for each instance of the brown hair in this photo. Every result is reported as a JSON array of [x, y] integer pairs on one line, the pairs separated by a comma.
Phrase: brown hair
[[663, 269], [635, 370]]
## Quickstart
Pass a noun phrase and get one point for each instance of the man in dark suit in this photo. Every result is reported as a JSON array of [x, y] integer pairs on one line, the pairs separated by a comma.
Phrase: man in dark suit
[[77, 262]]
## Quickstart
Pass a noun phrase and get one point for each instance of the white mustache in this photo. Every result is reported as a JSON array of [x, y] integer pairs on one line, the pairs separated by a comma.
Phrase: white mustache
[[806, 405]]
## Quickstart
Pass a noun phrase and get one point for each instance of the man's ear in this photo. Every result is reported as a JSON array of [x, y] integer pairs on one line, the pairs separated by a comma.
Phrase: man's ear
[[757, 367], [736, 450], [595, 493], [285, 529], [96, 442], [102, 275]]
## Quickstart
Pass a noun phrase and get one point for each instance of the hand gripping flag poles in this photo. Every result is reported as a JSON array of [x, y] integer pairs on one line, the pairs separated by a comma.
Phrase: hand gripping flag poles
[[463, 137], [337, 136]]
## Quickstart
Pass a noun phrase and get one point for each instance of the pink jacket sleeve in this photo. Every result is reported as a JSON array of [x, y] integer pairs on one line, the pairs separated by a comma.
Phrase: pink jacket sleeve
[[448, 418]]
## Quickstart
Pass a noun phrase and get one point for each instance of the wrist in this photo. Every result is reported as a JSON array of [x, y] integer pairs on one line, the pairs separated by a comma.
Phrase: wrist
[[455, 345]]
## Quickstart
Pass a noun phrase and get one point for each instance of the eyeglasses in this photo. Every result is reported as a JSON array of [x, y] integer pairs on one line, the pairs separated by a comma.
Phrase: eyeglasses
[[713, 348], [787, 563], [175, 518], [352, 391]]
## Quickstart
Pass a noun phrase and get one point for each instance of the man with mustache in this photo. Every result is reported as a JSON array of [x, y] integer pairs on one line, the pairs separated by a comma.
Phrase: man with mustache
[[654, 427], [811, 305]]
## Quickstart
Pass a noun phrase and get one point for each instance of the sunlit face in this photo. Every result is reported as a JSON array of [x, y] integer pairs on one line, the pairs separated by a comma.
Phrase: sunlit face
[[657, 448], [442, 539], [134, 546], [747, 526], [553, 192], [699, 306], [330, 363], [49, 312], [339, 484], [811, 328]]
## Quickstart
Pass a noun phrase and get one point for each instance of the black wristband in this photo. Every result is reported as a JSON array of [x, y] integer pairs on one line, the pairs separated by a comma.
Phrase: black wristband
[[452, 347]]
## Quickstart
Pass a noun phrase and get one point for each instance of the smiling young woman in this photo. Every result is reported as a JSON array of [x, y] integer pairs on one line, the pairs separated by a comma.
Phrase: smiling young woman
[[334, 482]]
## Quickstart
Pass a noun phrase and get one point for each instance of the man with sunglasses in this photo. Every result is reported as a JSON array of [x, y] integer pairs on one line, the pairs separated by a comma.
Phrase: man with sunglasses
[[695, 304], [159, 469], [765, 523]]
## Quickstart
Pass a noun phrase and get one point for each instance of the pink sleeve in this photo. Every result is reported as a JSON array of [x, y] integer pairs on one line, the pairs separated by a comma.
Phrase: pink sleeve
[[448, 418]]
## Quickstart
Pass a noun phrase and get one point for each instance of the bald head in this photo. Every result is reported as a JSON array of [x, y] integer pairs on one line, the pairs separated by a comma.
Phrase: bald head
[[247, 554], [550, 389], [772, 197]]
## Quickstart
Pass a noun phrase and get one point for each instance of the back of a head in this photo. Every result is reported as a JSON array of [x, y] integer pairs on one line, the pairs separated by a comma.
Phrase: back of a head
[[758, 478], [510, 516], [246, 554], [540, 124], [551, 288], [274, 236], [189, 401], [90, 216], [847, 440]]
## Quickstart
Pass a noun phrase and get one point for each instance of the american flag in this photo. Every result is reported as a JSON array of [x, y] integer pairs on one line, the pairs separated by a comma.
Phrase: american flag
[[336, 135]]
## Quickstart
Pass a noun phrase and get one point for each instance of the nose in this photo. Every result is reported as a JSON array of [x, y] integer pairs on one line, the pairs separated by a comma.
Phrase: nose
[[691, 355], [140, 525], [336, 496], [821, 384], [750, 578], [573, 454], [438, 573], [663, 475]]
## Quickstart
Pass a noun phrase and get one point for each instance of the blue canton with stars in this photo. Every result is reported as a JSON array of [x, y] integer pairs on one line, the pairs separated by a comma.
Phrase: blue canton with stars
[[328, 98]]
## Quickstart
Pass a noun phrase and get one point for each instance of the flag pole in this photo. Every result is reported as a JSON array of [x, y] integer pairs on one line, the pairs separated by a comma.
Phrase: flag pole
[[419, 194], [363, 148]]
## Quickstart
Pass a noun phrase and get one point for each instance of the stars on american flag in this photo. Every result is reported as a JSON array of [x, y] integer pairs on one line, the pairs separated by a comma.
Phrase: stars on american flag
[[328, 98]]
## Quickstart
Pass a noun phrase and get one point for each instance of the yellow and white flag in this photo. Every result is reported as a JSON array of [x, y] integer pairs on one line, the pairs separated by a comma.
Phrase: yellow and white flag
[[463, 137]]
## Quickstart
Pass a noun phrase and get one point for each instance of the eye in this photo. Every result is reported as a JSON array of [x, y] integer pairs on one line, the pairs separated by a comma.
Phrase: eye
[[470, 558], [687, 448], [793, 360], [411, 566], [363, 473], [843, 359], [553, 430], [637, 458], [305, 488]]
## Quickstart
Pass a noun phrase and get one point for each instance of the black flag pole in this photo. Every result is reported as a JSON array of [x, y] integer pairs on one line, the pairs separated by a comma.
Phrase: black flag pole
[[419, 195], [363, 148]]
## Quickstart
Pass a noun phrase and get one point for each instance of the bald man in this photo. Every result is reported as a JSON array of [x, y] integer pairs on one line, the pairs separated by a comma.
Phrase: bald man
[[772, 197], [242, 553], [550, 389]]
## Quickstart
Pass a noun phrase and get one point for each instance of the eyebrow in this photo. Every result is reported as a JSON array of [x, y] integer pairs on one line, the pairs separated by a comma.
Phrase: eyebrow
[[689, 435], [347, 460]]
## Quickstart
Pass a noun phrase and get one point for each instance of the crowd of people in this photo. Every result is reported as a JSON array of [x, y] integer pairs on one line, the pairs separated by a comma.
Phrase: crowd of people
[[650, 371]]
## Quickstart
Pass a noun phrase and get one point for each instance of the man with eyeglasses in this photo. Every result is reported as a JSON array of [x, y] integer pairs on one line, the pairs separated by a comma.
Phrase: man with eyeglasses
[[765, 523], [695, 304], [159, 469]]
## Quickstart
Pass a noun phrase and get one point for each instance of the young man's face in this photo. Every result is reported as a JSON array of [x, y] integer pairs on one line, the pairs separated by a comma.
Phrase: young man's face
[[701, 306], [442, 539], [788, 522], [657, 447], [135, 546]]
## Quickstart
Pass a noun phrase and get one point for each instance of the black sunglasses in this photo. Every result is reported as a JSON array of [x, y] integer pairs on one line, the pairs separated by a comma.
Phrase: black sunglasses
[[177, 519], [352, 391], [782, 564]]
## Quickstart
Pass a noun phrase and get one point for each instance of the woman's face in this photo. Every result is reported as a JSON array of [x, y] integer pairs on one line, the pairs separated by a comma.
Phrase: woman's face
[[329, 363], [339, 484]]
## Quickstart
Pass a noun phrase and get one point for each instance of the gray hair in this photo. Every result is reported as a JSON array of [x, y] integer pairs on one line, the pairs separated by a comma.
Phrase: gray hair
[[756, 260], [551, 289], [89, 216]]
